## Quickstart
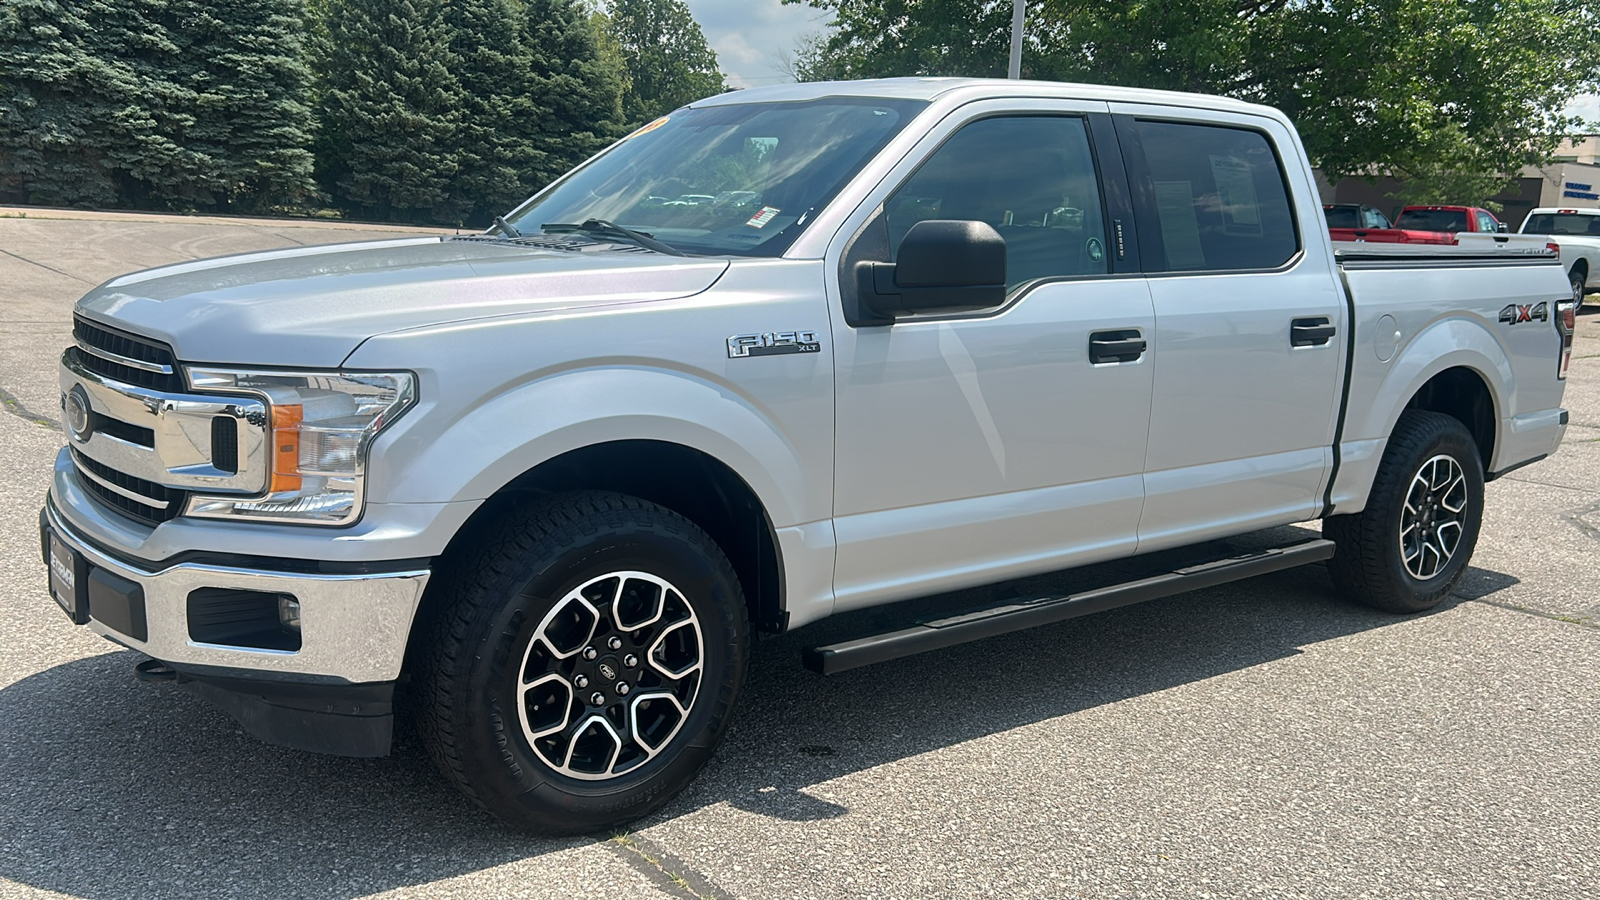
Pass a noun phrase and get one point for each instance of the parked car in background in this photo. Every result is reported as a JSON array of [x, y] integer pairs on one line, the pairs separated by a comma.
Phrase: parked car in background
[[1448, 219], [1577, 232], [1354, 216]]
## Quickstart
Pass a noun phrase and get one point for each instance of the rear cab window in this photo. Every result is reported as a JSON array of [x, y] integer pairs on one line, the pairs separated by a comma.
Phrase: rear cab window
[[1218, 197]]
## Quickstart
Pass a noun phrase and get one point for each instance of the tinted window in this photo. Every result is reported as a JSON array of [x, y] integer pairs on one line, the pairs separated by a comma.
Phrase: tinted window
[[1342, 217], [1220, 198], [1433, 220], [1546, 223], [1032, 178]]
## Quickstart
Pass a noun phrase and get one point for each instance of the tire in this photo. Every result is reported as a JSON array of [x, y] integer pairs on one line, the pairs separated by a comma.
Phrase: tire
[[499, 706], [1408, 549], [1576, 279]]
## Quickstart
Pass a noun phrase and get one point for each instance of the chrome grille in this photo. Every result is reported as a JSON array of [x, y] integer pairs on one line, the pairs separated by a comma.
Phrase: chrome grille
[[124, 357], [135, 498]]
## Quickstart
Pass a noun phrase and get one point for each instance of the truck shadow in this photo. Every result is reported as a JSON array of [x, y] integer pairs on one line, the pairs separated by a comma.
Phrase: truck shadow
[[110, 788]]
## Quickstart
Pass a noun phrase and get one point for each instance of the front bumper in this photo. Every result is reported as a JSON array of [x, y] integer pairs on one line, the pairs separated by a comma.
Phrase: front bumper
[[353, 627]]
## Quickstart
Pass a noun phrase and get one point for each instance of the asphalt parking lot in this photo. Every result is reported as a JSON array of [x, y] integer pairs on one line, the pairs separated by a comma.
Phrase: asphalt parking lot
[[1258, 740]]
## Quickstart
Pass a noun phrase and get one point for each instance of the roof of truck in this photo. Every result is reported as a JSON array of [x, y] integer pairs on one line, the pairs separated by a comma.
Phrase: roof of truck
[[979, 88]]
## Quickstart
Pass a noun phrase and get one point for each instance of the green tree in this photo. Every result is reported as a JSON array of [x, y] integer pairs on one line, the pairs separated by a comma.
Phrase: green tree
[[668, 61], [243, 62], [389, 111], [576, 85], [1452, 95], [495, 145]]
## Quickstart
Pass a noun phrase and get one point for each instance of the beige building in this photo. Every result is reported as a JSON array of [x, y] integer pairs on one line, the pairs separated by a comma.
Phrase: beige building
[[1583, 148]]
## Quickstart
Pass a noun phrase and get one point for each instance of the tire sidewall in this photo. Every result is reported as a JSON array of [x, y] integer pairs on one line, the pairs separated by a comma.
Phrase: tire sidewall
[[1408, 589], [516, 783]]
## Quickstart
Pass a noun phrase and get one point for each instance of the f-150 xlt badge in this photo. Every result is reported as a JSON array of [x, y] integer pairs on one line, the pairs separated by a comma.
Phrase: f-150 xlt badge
[[773, 343], [1514, 314]]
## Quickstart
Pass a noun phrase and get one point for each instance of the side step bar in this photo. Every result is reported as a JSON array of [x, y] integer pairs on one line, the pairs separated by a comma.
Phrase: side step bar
[[1019, 614]]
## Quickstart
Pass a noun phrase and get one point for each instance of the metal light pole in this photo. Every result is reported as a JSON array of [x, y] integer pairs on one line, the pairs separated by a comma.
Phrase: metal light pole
[[1015, 71]]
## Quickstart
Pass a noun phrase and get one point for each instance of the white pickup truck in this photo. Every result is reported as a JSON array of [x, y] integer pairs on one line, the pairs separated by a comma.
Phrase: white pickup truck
[[784, 353], [1577, 231]]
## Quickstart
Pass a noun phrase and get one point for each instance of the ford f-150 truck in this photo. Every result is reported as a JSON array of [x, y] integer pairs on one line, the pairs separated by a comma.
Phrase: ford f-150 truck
[[784, 353]]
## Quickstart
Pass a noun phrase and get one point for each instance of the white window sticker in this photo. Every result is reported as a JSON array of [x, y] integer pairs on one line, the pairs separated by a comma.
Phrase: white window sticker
[[1236, 193], [763, 216]]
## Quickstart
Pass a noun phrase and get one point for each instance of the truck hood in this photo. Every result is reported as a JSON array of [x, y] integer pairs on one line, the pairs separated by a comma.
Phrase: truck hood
[[311, 306]]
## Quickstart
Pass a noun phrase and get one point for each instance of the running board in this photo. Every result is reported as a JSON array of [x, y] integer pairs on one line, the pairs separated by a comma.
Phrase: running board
[[1016, 615]]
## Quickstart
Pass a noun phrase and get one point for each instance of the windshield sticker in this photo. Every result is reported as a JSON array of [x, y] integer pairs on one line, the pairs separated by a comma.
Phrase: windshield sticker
[[761, 218], [649, 128]]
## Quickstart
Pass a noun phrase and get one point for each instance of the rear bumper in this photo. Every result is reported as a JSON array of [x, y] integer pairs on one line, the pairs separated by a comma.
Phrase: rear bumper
[[1527, 439]]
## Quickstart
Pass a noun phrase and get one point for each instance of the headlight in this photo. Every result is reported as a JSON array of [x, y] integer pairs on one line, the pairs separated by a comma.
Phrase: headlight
[[320, 427]]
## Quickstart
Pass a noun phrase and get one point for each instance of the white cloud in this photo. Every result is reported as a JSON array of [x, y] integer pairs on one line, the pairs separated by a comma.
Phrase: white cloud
[[749, 35], [1587, 106]]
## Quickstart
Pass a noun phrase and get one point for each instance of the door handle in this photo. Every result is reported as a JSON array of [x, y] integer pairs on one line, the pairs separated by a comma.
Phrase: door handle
[[1312, 331], [1115, 346]]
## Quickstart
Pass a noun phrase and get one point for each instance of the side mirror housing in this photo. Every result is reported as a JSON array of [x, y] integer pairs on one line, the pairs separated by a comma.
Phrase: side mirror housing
[[943, 265], [1502, 228]]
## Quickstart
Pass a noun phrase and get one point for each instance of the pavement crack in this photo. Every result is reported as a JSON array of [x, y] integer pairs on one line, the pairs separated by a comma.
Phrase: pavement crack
[[47, 268], [666, 870], [1554, 617], [11, 404]]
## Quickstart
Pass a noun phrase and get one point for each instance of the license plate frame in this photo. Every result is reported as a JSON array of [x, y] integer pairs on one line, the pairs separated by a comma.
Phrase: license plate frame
[[69, 580]]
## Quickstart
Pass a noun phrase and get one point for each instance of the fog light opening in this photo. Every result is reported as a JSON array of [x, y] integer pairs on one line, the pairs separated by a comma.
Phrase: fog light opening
[[289, 613]]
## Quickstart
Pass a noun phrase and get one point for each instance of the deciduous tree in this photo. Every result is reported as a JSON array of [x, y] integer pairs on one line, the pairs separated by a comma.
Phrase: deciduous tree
[[668, 62]]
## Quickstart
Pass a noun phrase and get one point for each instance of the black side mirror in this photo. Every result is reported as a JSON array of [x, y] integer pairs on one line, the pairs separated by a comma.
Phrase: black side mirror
[[944, 265], [1502, 228]]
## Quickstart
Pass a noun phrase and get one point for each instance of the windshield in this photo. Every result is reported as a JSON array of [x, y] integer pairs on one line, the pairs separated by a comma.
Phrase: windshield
[[1570, 223], [1434, 220], [741, 179]]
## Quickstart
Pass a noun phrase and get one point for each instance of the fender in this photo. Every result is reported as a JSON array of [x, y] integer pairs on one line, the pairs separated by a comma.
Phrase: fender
[[1379, 393]]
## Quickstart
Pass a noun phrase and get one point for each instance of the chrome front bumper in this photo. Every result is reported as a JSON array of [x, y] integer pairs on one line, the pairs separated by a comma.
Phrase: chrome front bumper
[[353, 628]]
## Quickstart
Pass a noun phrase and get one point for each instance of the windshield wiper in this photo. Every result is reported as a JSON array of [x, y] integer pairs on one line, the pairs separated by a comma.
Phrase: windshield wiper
[[506, 228], [611, 229]]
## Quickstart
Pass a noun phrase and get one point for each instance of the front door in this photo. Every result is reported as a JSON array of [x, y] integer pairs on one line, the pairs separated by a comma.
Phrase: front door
[[981, 446]]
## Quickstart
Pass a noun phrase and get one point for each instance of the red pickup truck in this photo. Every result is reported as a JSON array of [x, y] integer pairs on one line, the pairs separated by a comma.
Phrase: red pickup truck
[[1423, 225]]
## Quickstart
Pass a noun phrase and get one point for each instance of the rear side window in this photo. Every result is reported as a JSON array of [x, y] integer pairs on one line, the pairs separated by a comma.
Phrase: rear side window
[[1031, 177], [1220, 197]]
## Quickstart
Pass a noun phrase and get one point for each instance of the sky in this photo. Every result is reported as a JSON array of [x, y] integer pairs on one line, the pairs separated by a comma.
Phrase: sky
[[750, 35]]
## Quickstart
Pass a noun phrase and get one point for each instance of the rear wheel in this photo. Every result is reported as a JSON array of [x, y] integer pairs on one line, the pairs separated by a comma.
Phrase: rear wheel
[[1576, 278], [1409, 548], [584, 666]]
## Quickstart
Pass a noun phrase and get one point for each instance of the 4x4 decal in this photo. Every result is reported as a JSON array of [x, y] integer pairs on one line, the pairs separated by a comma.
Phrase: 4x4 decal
[[1514, 314]]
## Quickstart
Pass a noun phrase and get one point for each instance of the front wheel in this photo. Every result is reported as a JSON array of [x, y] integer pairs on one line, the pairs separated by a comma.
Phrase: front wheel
[[584, 665], [1409, 548]]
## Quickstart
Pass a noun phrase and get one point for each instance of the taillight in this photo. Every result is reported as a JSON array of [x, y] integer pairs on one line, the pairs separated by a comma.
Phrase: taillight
[[1553, 247], [1566, 323]]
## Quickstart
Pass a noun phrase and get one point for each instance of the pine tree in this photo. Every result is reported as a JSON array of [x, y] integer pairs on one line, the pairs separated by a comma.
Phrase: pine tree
[[576, 88], [495, 144], [244, 61], [668, 60], [87, 107], [389, 111]]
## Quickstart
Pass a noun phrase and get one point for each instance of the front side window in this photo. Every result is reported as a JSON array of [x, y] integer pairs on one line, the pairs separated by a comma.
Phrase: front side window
[[1031, 177], [1486, 222], [1221, 202], [742, 179]]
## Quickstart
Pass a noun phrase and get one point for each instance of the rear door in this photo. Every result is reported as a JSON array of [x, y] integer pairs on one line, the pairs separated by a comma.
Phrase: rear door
[[1250, 324]]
